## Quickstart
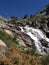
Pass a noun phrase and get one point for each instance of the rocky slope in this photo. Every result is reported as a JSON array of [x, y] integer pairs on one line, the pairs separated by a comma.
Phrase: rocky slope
[[24, 40]]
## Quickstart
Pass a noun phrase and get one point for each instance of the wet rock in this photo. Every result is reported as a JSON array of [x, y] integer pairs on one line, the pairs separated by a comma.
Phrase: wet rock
[[44, 43]]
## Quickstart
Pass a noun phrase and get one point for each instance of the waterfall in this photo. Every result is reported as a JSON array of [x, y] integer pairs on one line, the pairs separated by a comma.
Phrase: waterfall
[[40, 39]]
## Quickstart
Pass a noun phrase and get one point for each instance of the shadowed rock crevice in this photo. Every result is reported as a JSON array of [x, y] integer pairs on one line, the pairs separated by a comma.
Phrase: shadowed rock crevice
[[47, 34]]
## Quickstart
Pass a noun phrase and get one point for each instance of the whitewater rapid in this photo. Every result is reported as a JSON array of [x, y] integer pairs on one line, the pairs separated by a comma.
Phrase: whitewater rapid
[[37, 35]]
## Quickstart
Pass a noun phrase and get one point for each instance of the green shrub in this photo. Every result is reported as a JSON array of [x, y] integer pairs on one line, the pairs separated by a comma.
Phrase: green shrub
[[36, 18], [25, 16]]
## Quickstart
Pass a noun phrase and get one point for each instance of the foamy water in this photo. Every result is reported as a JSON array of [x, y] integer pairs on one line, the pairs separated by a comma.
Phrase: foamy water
[[36, 35]]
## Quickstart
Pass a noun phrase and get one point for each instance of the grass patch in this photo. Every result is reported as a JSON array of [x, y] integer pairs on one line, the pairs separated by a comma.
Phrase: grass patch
[[7, 38]]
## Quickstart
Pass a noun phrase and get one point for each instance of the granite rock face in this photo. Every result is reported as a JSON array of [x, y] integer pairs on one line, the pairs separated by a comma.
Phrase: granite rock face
[[44, 11], [25, 39]]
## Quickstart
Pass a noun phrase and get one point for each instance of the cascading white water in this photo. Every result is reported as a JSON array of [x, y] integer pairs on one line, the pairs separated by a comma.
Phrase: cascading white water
[[36, 35]]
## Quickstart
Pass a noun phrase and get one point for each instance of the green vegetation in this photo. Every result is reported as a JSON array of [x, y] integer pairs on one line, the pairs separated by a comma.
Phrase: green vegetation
[[31, 16], [25, 16], [37, 18], [31, 52], [13, 18], [45, 60], [7, 38]]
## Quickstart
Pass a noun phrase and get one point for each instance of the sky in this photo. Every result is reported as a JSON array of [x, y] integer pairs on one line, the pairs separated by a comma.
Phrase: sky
[[19, 8]]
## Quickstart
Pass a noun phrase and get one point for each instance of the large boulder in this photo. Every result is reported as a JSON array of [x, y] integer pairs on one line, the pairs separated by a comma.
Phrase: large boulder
[[26, 39], [35, 24], [3, 47], [44, 43], [42, 24]]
